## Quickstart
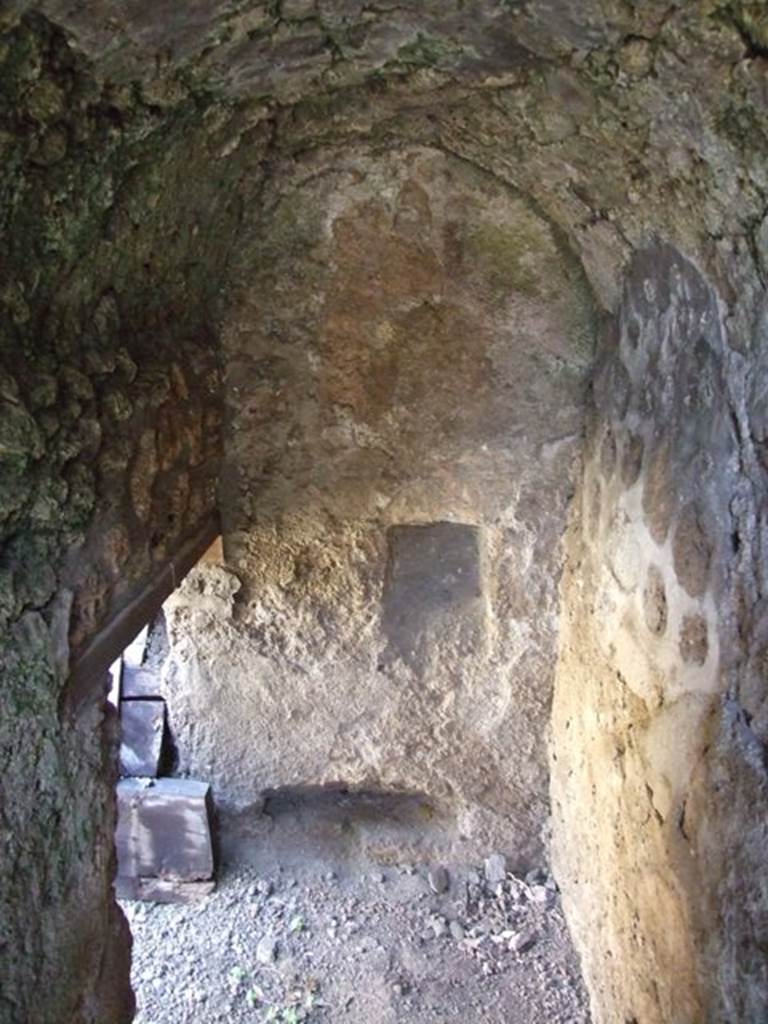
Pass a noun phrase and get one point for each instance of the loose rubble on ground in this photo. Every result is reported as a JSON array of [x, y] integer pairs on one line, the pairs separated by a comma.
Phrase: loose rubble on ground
[[398, 943]]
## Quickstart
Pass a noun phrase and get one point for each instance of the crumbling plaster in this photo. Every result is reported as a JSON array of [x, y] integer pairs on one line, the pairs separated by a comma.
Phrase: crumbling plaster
[[409, 347], [134, 139], [659, 715]]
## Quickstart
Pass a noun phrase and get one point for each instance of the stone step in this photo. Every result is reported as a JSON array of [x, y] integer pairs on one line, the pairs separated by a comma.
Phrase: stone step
[[163, 833]]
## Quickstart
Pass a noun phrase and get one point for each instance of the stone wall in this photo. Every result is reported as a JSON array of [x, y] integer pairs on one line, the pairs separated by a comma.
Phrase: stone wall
[[134, 141], [406, 365], [659, 780], [110, 436]]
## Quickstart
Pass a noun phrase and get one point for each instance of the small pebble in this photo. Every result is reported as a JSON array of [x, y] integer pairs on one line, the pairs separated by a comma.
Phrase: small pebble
[[540, 894], [522, 941], [266, 950], [495, 868], [438, 880]]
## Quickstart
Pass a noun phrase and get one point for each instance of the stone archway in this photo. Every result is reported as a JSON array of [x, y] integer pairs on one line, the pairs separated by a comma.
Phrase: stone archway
[[133, 145], [406, 364]]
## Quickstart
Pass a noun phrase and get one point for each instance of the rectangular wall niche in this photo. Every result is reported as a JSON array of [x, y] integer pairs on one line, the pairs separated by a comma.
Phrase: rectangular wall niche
[[434, 603]]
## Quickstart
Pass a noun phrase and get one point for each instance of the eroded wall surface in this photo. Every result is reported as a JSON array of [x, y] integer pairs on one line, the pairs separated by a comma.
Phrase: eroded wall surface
[[406, 365], [110, 429], [620, 121], [660, 786]]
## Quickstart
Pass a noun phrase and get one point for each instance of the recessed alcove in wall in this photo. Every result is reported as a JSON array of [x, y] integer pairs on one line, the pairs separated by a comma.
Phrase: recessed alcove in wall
[[139, 152], [406, 358], [306, 829], [406, 363]]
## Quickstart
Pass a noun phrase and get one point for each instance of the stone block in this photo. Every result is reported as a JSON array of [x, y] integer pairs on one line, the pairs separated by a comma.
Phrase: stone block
[[163, 832], [142, 727], [433, 593], [140, 682]]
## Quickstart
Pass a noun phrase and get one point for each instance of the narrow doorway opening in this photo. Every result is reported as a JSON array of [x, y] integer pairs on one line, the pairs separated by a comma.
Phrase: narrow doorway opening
[[312, 902], [164, 832]]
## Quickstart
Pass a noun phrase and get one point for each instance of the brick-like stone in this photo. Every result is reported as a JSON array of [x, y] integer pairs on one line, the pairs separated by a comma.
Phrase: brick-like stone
[[694, 640], [142, 725], [163, 831], [655, 602], [140, 682], [692, 552]]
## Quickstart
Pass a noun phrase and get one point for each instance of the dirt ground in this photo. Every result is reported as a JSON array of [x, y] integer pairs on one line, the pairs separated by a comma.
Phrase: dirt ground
[[313, 921]]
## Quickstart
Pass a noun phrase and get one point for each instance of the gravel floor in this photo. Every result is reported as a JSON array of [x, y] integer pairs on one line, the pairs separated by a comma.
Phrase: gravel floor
[[373, 946]]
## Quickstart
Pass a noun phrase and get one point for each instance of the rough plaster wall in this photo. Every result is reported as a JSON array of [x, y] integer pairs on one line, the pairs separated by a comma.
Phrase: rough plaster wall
[[620, 120], [410, 346], [659, 718], [110, 428]]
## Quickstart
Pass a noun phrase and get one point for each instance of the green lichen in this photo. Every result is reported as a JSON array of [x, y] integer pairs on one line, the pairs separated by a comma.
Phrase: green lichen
[[510, 258], [15, 486], [748, 17], [505, 256], [425, 51], [19, 436], [82, 497], [28, 681], [7, 595]]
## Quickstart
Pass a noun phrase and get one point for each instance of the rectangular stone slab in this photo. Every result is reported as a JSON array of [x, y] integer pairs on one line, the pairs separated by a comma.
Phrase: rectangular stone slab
[[140, 682], [433, 591], [142, 727], [163, 830]]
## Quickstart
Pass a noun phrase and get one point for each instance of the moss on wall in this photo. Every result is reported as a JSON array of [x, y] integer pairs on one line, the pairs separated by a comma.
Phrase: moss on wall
[[113, 229], [130, 148]]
